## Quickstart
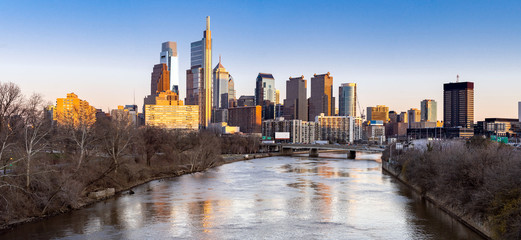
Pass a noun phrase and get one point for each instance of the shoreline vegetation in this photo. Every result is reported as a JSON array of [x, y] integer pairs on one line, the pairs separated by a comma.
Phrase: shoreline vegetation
[[476, 181], [48, 168]]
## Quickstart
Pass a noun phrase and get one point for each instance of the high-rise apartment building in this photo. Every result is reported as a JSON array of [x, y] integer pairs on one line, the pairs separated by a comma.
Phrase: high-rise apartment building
[[347, 99], [458, 104], [160, 79], [73, 111], [415, 115], [339, 129], [378, 113], [429, 110], [169, 57], [321, 100], [199, 76], [220, 86], [296, 102]]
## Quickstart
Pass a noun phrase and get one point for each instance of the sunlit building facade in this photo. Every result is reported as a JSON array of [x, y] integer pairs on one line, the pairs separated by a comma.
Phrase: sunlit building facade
[[73, 111], [169, 57], [321, 100], [169, 112], [429, 110], [378, 113]]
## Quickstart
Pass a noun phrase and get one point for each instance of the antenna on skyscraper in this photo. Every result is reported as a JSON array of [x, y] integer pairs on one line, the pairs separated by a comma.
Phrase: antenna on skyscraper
[[457, 78]]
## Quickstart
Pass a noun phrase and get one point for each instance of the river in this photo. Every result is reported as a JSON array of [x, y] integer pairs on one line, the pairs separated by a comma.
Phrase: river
[[268, 198]]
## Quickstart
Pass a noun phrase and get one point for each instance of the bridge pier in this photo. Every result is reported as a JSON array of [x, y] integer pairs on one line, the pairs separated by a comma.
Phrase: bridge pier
[[313, 152], [351, 155], [287, 151]]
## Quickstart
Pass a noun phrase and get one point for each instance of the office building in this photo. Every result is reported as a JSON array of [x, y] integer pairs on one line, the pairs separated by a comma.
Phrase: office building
[[296, 102], [232, 100], [458, 104], [160, 79], [321, 100], [169, 57], [414, 115], [378, 113], [247, 118], [72, 111], [402, 117], [339, 129], [429, 110], [264, 88], [277, 96], [347, 99], [199, 76], [220, 86], [246, 101], [169, 112]]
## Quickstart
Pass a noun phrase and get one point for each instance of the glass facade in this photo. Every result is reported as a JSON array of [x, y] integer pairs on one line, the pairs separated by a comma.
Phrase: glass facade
[[347, 99], [429, 109]]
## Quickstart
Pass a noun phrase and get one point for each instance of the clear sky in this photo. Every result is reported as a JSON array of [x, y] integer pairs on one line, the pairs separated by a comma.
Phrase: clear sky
[[399, 52]]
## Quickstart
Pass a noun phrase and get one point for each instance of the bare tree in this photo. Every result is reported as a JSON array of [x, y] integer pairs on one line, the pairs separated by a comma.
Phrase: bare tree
[[10, 107], [35, 130], [118, 136]]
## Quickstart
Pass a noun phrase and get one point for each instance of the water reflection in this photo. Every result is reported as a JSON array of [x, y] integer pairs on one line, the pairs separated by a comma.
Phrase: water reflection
[[275, 197]]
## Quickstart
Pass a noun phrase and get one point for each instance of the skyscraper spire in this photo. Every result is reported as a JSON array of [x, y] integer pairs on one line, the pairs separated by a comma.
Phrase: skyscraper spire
[[207, 23]]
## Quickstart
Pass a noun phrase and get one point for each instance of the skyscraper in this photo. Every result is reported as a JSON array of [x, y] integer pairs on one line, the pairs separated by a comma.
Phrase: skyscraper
[[277, 96], [296, 102], [321, 100], [169, 57], [347, 99], [199, 76], [429, 110], [160, 79], [265, 88], [220, 86], [232, 99], [519, 111], [458, 104], [265, 95]]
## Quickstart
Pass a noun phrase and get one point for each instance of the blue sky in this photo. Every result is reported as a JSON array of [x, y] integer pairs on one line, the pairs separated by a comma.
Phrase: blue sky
[[399, 52]]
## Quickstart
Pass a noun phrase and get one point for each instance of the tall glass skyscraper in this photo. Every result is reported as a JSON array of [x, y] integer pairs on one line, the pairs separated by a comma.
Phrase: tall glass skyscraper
[[169, 57], [220, 86], [199, 76], [347, 99]]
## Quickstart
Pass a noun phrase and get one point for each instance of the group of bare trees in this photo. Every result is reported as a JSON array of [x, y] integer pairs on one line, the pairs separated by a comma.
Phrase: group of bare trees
[[48, 166], [479, 178]]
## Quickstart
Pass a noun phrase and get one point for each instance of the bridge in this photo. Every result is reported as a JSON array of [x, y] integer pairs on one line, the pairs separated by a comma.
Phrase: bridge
[[288, 149]]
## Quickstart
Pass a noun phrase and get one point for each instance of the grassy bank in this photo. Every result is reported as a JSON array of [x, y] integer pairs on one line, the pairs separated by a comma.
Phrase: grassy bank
[[478, 180]]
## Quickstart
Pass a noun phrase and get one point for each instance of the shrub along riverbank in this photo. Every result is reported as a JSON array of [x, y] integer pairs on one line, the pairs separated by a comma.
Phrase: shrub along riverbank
[[48, 168], [478, 179]]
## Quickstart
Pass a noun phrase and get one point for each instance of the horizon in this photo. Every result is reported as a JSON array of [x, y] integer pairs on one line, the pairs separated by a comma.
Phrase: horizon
[[398, 53]]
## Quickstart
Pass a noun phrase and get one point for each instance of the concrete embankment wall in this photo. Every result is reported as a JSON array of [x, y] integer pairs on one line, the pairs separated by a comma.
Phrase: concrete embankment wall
[[478, 227]]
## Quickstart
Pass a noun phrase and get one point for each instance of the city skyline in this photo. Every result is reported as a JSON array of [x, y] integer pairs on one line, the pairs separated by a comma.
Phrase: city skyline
[[403, 68]]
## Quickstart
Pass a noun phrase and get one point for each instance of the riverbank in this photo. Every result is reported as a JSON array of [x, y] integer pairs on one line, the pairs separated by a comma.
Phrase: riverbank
[[479, 228], [86, 201]]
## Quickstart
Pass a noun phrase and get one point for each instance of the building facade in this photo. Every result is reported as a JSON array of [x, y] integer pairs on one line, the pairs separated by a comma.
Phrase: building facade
[[247, 118], [378, 113], [246, 101], [321, 100], [296, 102], [299, 131], [73, 111], [169, 57], [414, 115], [220, 86], [339, 129], [169, 112], [429, 110], [458, 104], [160, 79], [347, 99], [264, 88]]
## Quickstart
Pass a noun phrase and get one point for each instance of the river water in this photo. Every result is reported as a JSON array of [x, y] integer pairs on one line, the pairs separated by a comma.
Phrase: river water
[[268, 198]]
